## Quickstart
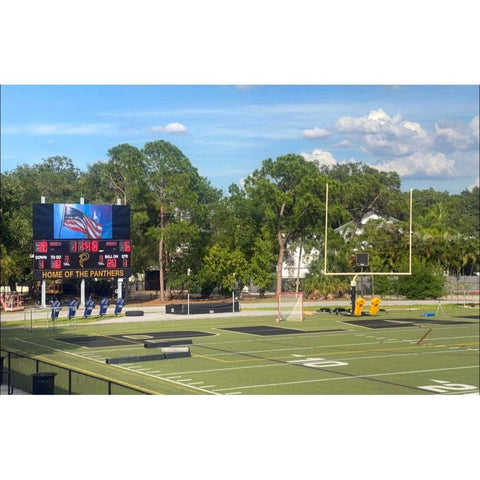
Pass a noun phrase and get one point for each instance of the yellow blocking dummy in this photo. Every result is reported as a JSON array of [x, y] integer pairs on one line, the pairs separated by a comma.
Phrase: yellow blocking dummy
[[359, 303], [375, 305]]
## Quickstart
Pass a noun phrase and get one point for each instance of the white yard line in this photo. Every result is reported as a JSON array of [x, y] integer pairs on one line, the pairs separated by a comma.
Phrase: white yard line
[[60, 350], [328, 347], [169, 380], [353, 377]]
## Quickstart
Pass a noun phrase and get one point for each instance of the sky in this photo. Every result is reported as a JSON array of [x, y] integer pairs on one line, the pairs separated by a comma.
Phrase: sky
[[429, 134]]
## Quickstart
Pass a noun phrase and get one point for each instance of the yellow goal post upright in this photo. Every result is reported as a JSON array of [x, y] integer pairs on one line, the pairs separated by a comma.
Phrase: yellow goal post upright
[[290, 306], [353, 283]]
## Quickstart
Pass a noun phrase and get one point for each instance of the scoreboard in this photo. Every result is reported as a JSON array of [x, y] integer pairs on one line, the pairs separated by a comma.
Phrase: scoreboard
[[77, 241], [73, 259]]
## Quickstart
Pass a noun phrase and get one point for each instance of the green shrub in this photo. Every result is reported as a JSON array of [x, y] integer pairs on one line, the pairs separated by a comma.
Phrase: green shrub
[[384, 285], [423, 283]]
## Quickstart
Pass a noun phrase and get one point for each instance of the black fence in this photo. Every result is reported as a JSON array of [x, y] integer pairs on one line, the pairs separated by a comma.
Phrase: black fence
[[40, 377]]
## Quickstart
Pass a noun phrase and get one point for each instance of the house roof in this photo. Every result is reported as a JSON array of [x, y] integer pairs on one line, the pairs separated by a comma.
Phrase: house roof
[[346, 228]]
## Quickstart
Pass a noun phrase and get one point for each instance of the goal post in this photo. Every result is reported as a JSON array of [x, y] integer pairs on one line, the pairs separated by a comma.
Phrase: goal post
[[353, 283], [290, 306]]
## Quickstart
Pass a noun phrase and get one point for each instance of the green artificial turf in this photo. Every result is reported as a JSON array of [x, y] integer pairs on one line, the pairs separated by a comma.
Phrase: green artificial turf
[[397, 352]]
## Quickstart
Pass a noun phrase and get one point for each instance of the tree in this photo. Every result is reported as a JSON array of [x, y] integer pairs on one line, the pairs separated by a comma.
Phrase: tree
[[179, 195], [223, 269], [387, 245], [366, 189], [57, 179], [127, 173], [262, 262], [123, 176], [290, 192]]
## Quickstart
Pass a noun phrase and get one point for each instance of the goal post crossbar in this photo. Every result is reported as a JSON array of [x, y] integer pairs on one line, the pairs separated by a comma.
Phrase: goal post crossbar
[[365, 274]]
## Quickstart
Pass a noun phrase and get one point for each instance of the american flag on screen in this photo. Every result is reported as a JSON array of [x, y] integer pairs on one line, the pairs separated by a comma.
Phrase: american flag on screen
[[79, 222]]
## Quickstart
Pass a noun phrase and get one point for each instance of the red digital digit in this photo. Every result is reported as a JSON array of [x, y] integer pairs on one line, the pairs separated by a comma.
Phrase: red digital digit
[[57, 264], [125, 263], [41, 264], [126, 247], [42, 247], [94, 246], [111, 262]]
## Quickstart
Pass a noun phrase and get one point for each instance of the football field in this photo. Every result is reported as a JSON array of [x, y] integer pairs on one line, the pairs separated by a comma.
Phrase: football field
[[404, 350]]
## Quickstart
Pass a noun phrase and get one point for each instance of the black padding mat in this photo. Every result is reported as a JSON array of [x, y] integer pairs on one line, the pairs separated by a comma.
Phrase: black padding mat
[[379, 323], [401, 322], [93, 341], [268, 330]]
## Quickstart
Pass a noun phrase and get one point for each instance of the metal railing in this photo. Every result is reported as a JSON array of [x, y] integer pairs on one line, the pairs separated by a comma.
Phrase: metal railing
[[68, 381]]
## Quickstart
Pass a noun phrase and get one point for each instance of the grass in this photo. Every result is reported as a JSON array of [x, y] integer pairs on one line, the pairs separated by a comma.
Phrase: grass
[[411, 354]]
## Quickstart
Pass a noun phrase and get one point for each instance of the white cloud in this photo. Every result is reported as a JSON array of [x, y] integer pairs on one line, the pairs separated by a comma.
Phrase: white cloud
[[456, 135], [417, 164], [452, 136], [416, 128], [420, 164], [474, 127], [382, 134], [406, 147], [59, 129], [315, 133], [372, 123], [343, 144], [320, 158], [174, 127]]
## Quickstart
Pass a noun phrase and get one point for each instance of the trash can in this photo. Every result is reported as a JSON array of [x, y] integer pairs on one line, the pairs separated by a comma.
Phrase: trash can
[[43, 383]]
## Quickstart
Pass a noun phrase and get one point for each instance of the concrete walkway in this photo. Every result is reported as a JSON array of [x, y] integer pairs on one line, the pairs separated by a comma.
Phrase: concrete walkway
[[157, 312]]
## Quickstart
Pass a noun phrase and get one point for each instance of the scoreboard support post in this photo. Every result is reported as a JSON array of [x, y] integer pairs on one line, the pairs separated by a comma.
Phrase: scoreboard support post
[[82, 282], [119, 288], [120, 280], [43, 299], [44, 294], [82, 292]]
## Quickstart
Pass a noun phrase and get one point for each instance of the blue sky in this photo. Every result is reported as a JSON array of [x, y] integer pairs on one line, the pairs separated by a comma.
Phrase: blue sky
[[428, 134]]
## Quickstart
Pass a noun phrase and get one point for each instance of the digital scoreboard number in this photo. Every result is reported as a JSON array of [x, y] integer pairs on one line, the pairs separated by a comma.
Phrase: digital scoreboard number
[[73, 259]]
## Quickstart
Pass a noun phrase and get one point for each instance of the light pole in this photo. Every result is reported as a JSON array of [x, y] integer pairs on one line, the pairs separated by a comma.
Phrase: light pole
[[188, 291], [233, 294]]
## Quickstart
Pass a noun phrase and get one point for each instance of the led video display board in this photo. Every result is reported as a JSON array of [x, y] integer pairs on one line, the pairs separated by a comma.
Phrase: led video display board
[[76, 241]]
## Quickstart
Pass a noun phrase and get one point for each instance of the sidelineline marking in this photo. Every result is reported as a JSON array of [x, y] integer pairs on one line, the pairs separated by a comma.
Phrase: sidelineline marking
[[213, 358]]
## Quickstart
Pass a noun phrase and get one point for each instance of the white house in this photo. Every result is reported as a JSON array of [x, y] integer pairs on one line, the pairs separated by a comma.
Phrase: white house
[[297, 263]]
